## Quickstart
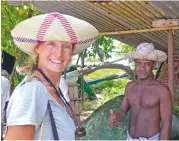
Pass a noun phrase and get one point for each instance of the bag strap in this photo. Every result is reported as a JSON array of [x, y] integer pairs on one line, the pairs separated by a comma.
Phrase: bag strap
[[61, 97], [80, 131], [53, 125], [54, 128]]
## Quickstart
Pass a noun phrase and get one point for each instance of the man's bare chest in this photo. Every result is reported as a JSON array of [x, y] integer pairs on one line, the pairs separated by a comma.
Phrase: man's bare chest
[[145, 97]]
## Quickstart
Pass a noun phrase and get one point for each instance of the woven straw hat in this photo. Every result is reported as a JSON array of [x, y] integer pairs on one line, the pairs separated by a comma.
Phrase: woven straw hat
[[53, 26], [147, 51]]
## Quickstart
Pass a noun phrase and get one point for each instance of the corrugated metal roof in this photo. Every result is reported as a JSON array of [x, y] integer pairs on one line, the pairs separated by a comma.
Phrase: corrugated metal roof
[[110, 16]]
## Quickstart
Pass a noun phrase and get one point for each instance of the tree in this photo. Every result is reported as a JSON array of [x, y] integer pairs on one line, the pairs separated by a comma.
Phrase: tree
[[101, 48], [11, 16]]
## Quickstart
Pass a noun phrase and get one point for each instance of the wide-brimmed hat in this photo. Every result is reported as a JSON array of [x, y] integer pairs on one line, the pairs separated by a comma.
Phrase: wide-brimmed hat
[[147, 51], [53, 26]]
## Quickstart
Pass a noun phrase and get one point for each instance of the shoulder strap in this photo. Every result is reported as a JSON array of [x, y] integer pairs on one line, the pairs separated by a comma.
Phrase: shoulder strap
[[54, 129]]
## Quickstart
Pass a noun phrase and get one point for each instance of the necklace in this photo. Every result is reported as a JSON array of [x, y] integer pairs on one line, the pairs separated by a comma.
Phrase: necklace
[[80, 131]]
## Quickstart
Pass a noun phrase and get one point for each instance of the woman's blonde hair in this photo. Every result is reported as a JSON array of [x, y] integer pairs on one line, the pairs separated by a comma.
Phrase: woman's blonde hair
[[31, 64]]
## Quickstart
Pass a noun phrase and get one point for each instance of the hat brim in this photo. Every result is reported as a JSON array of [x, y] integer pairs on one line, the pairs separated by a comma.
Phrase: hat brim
[[53, 26], [154, 55]]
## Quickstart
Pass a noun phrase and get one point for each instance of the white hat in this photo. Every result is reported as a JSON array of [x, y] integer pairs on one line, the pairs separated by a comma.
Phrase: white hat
[[53, 26], [147, 51]]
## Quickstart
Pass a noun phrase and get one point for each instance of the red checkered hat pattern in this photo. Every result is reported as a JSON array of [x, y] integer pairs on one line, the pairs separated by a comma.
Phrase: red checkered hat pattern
[[53, 26]]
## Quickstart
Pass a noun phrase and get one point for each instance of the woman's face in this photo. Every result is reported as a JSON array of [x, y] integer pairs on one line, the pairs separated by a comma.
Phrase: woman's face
[[54, 56]]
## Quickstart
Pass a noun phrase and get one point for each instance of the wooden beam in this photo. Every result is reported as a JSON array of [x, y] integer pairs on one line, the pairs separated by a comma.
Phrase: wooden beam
[[165, 23], [140, 30], [171, 62]]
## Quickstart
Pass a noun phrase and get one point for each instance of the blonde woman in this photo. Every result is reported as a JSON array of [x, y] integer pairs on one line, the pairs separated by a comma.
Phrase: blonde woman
[[37, 108]]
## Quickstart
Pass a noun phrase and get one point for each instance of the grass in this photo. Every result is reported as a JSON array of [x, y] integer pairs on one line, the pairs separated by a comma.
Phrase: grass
[[106, 90], [102, 73]]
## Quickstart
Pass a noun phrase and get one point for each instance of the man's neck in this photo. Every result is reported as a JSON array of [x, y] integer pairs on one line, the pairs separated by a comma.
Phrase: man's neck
[[145, 82]]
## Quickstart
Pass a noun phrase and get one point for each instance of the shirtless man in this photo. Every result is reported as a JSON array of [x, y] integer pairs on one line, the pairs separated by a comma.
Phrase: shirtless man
[[148, 100]]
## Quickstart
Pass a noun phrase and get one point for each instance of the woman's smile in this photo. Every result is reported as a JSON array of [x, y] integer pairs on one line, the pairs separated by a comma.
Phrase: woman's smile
[[56, 61]]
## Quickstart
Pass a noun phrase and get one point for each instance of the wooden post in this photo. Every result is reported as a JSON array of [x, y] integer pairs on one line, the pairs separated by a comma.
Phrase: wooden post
[[82, 76], [75, 101], [171, 62]]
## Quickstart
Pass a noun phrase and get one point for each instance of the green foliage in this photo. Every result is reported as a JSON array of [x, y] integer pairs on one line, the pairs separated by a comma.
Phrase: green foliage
[[107, 90], [11, 16], [124, 48], [90, 105], [17, 78], [110, 88], [101, 73], [92, 59], [106, 45], [176, 108]]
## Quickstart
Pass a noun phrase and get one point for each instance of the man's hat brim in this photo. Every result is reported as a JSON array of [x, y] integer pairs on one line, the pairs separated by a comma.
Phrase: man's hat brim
[[154, 55]]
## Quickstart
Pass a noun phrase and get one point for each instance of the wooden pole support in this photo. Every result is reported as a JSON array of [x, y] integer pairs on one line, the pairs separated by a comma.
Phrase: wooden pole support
[[171, 62]]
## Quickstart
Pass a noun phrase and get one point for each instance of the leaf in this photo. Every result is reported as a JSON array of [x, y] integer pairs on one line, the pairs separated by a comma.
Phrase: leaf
[[30, 5], [21, 11]]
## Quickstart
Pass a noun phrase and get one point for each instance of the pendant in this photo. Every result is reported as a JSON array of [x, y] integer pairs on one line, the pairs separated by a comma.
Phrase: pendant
[[80, 132]]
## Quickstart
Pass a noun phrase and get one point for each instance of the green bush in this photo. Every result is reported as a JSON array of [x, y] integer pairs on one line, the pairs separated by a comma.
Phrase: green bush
[[108, 90], [176, 108]]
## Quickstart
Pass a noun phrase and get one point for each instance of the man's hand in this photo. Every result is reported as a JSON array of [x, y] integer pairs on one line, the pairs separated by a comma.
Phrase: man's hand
[[112, 121]]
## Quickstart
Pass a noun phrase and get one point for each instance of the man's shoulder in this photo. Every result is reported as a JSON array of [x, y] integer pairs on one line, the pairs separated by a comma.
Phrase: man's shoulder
[[131, 84], [161, 89], [159, 85]]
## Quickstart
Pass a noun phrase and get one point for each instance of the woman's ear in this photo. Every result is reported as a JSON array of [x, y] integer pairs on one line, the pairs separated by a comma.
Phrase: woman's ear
[[36, 49]]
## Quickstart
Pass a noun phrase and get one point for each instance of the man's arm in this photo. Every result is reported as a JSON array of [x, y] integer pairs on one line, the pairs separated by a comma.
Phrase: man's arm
[[116, 116], [166, 110], [124, 108]]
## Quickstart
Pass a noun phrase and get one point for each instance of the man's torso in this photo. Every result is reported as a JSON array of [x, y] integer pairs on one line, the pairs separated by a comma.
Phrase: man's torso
[[144, 104]]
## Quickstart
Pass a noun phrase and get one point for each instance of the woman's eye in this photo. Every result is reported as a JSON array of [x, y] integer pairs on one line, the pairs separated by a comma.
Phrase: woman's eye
[[52, 44], [67, 47]]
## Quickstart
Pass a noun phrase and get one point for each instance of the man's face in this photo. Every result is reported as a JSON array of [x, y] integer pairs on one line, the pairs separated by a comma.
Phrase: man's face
[[144, 68]]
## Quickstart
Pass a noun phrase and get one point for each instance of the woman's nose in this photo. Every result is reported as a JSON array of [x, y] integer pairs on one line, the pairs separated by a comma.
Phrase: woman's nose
[[59, 50]]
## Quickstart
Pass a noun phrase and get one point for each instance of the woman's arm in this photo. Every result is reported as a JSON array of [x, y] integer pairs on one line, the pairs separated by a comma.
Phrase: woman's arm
[[20, 132], [26, 110]]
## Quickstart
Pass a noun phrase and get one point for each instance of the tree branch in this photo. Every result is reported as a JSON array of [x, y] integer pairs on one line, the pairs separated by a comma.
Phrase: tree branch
[[78, 59], [83, 58], [111, 66]]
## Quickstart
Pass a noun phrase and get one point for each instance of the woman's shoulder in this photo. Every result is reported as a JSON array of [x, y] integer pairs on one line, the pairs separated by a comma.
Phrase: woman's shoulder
[[32, 88], [27, 104], [31, 84]]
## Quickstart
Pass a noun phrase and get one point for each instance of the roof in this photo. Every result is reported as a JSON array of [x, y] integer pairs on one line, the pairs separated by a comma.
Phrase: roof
[[110, 16]]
